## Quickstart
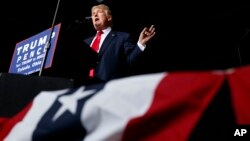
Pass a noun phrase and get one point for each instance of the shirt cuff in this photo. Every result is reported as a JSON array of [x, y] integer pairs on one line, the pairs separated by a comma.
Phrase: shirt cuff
[[142, 47]]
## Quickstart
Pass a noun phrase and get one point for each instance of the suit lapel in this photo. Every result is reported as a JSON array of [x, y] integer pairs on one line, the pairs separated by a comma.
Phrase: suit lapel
[[89, 40], [106, 42]]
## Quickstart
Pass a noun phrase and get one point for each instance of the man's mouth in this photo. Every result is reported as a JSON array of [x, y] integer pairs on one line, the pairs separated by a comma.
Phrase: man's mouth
[[97, 19]]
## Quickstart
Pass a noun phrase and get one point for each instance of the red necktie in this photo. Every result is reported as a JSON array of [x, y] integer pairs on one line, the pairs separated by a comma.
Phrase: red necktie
[[95, 46], [97, 40]]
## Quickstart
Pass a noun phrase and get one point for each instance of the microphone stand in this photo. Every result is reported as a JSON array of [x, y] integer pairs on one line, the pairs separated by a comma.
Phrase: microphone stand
[[47, 45], [238, 46]]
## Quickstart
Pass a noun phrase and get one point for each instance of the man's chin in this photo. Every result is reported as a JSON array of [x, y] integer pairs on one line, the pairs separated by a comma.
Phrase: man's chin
[[98, 27]]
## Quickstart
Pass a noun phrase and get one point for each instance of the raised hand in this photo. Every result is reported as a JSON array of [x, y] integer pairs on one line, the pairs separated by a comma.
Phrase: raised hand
[[146, 35]]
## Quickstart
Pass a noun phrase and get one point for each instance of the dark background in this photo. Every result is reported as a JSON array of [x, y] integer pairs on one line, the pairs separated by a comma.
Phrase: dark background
[[190, 35]]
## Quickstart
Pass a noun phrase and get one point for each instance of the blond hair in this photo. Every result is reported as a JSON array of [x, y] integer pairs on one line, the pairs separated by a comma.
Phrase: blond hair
[[104, 7]]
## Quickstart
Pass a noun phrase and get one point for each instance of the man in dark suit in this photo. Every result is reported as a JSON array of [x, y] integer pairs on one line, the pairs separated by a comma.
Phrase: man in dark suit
[[116, 51]]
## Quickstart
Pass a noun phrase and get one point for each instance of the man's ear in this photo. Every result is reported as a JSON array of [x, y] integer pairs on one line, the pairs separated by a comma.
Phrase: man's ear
[[109, 18]]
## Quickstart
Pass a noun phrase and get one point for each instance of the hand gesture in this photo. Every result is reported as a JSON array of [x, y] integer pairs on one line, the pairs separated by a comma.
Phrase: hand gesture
[[146, 35]]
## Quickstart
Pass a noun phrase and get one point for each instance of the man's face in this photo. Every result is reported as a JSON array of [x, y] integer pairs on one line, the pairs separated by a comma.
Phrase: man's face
[[100, 18]]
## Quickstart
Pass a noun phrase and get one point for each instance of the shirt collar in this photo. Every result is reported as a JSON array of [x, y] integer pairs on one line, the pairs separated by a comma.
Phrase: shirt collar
[[106, 31]]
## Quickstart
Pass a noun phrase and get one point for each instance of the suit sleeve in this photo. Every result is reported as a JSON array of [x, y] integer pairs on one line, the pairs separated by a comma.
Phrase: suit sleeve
[[132, 50]]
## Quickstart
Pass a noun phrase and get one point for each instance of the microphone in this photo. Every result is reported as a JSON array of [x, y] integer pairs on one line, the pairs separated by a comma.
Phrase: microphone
[[88, 18], [85, 20], [79, 22]]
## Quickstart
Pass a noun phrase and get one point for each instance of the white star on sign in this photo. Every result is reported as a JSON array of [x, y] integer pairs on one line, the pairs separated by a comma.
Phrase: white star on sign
[[69, 102]]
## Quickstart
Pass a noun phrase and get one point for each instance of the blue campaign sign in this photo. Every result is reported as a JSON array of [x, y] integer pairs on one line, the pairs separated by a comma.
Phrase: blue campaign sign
[[29, 53]]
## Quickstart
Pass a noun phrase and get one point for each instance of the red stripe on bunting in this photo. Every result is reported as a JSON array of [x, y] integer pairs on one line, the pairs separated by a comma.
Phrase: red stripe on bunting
[[179, 102]]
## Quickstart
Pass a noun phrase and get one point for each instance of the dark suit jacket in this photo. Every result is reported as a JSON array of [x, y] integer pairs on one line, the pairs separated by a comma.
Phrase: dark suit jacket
[[116, 57]]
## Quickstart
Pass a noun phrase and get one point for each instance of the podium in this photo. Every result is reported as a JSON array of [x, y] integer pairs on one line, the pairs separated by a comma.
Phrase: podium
[[16, 90], [73, 58]]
